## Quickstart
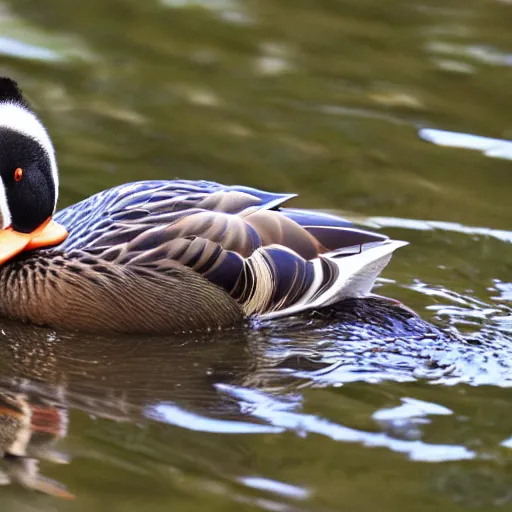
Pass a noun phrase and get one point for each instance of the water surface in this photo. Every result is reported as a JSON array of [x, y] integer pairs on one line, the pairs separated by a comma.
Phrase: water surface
[[329, 99]]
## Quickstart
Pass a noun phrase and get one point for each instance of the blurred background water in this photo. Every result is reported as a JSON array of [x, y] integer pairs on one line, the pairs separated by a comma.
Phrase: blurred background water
[[395, 114]]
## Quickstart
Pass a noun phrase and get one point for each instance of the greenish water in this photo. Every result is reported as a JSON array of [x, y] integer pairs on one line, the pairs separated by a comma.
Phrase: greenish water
[[323, 98]]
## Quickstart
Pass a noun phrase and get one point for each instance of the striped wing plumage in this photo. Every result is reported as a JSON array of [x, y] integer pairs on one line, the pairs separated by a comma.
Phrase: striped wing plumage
[[272, 260]]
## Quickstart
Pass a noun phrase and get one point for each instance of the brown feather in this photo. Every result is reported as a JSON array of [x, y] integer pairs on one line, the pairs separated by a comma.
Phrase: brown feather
[[78, 291]]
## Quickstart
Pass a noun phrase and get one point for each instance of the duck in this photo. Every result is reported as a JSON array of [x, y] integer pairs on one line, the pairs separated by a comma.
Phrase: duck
[[163, 256]]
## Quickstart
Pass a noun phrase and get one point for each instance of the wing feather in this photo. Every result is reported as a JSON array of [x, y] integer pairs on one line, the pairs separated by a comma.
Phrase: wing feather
[[271, 259]]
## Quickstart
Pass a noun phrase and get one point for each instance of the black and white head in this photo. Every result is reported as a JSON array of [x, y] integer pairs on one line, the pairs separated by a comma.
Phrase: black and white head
[[29, 179]]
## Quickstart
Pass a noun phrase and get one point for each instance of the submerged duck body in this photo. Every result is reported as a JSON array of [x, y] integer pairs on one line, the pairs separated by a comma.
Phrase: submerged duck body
[[165, 256]]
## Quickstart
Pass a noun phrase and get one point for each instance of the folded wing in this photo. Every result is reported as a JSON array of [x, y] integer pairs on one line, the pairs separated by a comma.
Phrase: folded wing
[[273, 260]]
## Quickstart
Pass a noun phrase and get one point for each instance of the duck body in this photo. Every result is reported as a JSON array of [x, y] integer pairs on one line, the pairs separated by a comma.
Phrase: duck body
[[180, 256], [165, 256]]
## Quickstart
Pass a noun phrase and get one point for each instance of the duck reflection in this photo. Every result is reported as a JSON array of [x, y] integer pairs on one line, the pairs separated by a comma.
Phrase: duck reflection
[[29, 428], [43, 375], [181, 381]]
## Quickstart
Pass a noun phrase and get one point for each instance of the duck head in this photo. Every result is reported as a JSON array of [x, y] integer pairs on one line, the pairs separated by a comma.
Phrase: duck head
[[29, 178]]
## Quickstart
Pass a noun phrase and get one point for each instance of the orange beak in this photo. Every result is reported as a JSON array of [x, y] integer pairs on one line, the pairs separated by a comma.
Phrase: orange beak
[[47, 234]]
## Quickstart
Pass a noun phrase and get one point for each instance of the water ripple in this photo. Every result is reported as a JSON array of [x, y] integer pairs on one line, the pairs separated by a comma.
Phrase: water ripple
[[430, 225], [303, 424]]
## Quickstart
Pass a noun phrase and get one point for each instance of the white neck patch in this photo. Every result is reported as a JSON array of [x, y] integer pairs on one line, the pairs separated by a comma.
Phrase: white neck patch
[[21, 120], [4, 207]]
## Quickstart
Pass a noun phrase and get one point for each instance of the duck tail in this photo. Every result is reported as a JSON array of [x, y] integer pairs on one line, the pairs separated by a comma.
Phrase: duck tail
[[343, 273]]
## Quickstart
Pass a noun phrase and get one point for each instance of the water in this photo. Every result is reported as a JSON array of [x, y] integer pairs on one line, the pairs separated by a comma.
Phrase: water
[[395, 114]]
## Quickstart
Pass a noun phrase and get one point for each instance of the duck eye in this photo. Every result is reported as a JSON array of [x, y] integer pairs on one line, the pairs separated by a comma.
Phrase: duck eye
[[18, 174]]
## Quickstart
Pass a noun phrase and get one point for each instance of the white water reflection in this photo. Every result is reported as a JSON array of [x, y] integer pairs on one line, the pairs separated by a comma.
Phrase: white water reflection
[[494, 148], [505, 290], [483, 54], [209, 4], [411, 408], [430, 225], [14, 48], [273, 486], [171, 414], [228, 10], [406, 420], [21, 40], [303, 424]]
